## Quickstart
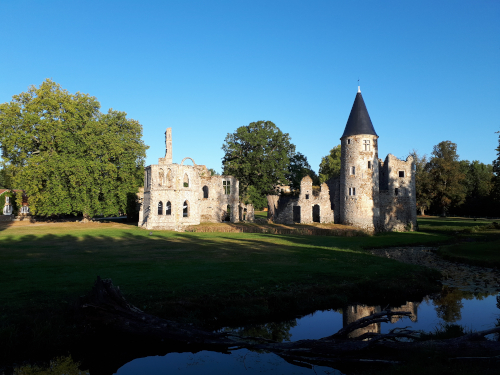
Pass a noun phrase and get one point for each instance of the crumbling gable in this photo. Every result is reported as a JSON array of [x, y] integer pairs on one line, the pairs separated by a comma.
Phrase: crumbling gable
[[311, 206]]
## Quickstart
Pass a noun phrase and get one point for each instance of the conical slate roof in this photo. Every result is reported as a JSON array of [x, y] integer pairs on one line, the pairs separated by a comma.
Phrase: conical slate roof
[[359, 120]]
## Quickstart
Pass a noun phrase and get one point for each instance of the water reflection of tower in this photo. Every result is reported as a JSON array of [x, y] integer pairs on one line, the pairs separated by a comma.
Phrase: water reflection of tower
[[355, 312]]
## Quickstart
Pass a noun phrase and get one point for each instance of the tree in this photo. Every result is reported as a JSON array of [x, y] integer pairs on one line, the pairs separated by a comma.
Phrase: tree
[[446, 178], [258, 155], [213, 172], [423, 186], [330, 165], [68, 156], [298, 169], [496, 178], [478, 184]]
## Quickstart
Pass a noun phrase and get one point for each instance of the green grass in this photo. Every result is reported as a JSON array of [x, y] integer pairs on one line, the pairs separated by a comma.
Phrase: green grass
[[475, 242]]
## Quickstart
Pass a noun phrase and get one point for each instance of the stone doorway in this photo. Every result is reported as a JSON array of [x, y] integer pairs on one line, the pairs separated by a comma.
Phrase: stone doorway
[[316, 216], [296, 214]]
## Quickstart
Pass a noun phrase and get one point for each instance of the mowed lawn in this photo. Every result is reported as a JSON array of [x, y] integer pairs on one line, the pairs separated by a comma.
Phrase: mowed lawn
[[44, 262]]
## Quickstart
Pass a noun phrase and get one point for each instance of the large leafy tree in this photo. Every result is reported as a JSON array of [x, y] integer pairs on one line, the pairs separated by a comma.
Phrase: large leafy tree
[[330, 165], [258, 155], [68, 156], [446, 176], [298, 169], [496, 178], [478, 184], [423, 184]]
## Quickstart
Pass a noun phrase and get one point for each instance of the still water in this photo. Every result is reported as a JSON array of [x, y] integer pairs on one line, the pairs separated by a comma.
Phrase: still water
[[474, 311]]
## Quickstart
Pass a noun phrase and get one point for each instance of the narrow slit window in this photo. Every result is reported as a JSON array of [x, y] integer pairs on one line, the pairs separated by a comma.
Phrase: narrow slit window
[[396, 191], [168, 208], [369, 165], [205, 192], [353, 170], [160, 208], [185, 209], [352, 191], [348, 141]]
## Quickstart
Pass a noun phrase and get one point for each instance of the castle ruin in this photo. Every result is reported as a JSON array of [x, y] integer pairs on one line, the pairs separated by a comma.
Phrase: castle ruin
[[178, 195], [370, 194]]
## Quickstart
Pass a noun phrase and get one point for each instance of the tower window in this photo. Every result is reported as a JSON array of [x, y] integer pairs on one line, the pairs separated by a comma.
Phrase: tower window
[[353, 170], [168, 208], [396, 191], [352, 191], [401, 173], [366, 143], [348, 141], [307, 196], [227, 187], [369, 165], [186, 180], [160, 208], [185, 209], [205, 192]]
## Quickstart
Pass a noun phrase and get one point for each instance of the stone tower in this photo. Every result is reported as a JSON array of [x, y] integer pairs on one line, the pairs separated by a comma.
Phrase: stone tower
[[359, 175]]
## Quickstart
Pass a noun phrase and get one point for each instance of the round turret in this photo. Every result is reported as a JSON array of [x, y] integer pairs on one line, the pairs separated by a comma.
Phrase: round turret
[[359, 179]]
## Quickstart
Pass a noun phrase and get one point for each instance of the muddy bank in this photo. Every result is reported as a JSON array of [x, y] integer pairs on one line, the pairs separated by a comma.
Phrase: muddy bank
[[458, 275]]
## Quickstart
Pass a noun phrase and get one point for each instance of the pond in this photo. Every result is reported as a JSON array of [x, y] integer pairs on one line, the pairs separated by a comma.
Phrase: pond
[[469, 297]]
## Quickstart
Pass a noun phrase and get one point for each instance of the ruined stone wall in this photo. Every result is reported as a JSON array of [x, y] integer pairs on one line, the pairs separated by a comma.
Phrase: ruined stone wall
[[359, 205], [214, 208], [398, 206], [313, 207], [334, 189]]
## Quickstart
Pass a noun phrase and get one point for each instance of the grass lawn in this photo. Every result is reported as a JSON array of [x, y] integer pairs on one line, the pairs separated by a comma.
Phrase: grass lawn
[[475, 241]]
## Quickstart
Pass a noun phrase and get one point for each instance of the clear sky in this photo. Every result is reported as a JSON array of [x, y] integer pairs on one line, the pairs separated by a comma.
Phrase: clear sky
[[429, 70]]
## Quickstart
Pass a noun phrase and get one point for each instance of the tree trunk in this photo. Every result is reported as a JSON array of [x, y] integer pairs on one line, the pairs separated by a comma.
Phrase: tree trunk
[[422, 211]]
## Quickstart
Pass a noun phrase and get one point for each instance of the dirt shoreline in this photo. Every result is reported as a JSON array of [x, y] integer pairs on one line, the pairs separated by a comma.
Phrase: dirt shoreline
[[458, 275]]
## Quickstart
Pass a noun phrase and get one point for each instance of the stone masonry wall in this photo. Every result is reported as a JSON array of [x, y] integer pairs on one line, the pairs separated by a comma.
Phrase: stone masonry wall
[[398, 205], [312, 207]]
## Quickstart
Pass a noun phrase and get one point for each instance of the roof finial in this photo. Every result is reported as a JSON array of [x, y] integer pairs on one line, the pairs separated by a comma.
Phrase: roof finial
[[359, 87]]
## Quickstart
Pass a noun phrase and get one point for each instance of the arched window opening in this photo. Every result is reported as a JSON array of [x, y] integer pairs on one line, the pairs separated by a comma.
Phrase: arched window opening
[[205, 192], [316, 213], [185, 209], [160, 177], [169, 178], [168, 208], [160, 208], [186, 180], [228, 213]]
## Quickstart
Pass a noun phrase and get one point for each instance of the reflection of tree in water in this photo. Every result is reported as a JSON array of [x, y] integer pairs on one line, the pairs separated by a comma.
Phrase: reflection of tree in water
[[277, 331], [449, 304]]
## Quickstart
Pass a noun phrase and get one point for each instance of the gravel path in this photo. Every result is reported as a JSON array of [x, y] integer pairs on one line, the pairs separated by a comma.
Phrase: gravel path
[[459, 275]]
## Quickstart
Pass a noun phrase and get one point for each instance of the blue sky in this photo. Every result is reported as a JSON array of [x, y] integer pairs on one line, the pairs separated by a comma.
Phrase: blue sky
[[429, 70]]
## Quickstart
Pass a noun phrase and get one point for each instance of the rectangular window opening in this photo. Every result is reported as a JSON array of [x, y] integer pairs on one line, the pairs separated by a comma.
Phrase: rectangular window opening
[[396, 191], [366, 143], [369, 165], [227, 187], [401, 173], [353, 170], [352, 191]]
